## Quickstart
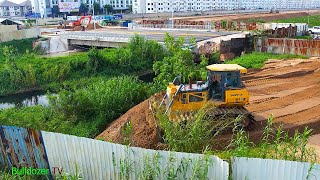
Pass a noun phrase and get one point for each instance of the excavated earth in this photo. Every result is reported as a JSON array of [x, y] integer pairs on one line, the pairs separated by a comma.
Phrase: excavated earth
[[287, 89]]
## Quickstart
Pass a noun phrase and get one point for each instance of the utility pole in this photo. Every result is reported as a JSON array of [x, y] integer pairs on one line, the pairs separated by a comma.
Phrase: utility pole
[[94, 23], [172, 22]]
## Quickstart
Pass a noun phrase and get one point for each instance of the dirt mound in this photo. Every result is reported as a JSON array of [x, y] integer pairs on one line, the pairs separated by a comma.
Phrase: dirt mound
[[91, 27], [288, 89], [145, 132]]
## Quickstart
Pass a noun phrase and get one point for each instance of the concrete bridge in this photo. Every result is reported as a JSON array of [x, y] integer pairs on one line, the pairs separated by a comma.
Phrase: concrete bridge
[[96, 41]]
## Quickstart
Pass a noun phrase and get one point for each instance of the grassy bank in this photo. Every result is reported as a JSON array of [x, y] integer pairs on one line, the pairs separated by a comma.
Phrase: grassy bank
[[82, 112], [20, 73], [257, 59], [313, 20], [22, 45]]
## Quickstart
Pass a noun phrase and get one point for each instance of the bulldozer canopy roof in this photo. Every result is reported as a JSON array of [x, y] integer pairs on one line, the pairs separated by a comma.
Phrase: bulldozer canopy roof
[[227, 67]]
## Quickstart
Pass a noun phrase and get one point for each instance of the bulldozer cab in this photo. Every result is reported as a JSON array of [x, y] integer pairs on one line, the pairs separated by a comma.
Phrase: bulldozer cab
[[219, 82], [224, 80]]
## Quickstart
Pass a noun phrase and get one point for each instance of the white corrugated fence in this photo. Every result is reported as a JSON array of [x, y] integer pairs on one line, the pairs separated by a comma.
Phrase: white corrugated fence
[[97, 160], [271, 169]]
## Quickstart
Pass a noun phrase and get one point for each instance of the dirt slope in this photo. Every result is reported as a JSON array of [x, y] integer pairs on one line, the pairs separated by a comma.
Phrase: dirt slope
[[288, 89], [144, 128]]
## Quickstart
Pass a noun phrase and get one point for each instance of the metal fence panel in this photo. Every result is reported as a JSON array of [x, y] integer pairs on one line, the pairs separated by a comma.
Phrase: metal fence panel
[[21, 147], [293, 46], [270, 169], [103, 160]]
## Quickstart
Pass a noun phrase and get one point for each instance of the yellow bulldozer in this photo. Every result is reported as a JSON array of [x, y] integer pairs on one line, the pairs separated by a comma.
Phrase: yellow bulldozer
[[223, 88]]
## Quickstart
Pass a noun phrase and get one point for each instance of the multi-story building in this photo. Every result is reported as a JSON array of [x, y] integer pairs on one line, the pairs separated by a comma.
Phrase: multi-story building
[[155, 6], [10, 9]]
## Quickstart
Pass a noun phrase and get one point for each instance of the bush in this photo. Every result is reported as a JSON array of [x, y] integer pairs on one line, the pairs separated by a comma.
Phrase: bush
[[82, 112], [178, 62], [101, 102]]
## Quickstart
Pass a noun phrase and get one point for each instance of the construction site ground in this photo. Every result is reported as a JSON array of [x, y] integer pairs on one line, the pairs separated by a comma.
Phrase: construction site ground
[[257, 16], [287, 89]]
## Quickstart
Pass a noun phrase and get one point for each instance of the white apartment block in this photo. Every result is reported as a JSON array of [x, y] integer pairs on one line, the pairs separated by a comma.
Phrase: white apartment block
[[155, 6], [10, 9]]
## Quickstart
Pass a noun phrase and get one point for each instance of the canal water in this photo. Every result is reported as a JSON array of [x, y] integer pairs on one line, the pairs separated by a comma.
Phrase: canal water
[[24, 99]]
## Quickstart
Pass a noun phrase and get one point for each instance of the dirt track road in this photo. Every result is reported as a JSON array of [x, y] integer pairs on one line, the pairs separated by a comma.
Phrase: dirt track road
[[263, 16], [290, 90]]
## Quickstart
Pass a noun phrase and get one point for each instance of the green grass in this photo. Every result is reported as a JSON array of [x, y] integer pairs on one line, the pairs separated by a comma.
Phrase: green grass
[[314, 20], [257, 59], [82, 111], [302, 37], [21, 45]]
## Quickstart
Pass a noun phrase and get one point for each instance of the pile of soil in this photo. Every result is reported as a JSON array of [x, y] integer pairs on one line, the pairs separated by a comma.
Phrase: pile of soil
[[288, 89], [145, 132], [91, 27]]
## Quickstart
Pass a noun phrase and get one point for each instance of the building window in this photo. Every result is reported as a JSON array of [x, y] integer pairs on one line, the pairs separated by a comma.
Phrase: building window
[[148, 9]]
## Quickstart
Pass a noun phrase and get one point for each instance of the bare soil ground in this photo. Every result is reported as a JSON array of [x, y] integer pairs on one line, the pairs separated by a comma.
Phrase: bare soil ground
[[258, 16], [288, 89]]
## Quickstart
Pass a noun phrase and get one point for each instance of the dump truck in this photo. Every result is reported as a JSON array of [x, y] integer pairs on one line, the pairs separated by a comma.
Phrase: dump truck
[[223, 88]]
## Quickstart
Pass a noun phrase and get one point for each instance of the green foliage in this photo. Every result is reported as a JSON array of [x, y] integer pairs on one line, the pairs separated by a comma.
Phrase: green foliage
[[314, 20], [82, 112], [140, 53], [108, 8], [302, 37], [20, 46], [193, 135], [83, 8], [96, 7], [96, 61], [126, 132], [255, 20], [178, 62], [257, 59], [29, 71], [274, 144]]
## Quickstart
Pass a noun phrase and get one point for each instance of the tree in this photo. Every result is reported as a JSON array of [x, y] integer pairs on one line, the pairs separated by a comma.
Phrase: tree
[[83, 8], [130, 9], [56, 10], [178, 62], [96, 7], [108, 8]]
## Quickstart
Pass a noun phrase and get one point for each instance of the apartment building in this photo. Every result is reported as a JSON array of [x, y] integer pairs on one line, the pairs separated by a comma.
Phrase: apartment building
[[155, 6], [10, 9]]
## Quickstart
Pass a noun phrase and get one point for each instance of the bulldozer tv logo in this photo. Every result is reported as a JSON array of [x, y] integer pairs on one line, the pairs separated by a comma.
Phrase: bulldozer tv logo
[[35, 171]]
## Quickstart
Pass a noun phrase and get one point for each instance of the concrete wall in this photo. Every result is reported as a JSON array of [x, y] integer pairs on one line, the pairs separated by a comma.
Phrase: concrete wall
[[8, 28], [19, 34]]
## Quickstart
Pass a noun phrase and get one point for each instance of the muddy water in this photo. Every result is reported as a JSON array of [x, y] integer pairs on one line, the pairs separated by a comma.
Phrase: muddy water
[[24, 99]]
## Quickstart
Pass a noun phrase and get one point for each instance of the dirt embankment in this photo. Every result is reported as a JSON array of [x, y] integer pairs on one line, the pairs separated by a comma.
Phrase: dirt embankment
[[288, 89], [145, 132], [268, 17]]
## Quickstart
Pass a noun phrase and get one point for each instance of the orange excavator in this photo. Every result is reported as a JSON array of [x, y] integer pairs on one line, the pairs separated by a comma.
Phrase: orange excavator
[[82, 21]]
